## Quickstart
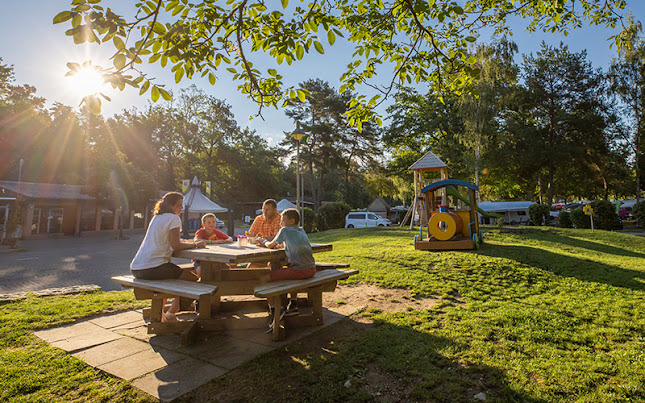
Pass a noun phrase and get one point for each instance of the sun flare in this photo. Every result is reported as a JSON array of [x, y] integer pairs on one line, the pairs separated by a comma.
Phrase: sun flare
[[87, 81]]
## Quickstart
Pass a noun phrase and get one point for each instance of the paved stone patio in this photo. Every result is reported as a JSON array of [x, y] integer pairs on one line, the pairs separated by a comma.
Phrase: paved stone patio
[[158, 365]]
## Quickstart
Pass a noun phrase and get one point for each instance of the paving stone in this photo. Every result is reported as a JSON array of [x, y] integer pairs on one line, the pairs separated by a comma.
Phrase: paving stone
[[119, 319], [111, 351], [141, 363], [82, 341], [260, 336], [177, 379], [223, 350], [67, 331], [137, 332], [167, 341]]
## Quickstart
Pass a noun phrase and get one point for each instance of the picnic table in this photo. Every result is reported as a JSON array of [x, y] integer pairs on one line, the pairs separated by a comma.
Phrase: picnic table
[[215, 260], [224, 270]]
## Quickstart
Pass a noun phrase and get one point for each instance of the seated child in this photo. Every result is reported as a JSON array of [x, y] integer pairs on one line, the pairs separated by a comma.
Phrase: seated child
[[300, 258], [210, 235]]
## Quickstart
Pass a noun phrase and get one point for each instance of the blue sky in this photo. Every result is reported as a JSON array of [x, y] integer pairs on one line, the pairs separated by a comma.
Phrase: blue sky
[[39, 51]]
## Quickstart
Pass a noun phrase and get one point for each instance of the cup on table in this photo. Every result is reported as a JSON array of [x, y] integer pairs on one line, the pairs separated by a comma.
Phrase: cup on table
[[242, 241]]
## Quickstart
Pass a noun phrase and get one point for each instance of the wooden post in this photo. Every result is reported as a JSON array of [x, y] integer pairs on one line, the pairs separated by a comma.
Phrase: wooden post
[[156, 310], [277, 323], [27, 222], [97, 218], [146, 216], [117, 212], [212, 273], [131, 226], [79, 216], [416, 199]]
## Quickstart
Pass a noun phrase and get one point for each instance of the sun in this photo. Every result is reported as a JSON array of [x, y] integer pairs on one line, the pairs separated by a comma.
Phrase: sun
[[86, 81]]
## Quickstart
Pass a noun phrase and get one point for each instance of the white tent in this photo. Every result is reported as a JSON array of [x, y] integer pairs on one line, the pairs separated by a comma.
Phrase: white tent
[[198, 203], [285, 204]]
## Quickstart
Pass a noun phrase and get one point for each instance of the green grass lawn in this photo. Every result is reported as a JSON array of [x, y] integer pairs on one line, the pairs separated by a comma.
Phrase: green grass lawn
[[541, 315]]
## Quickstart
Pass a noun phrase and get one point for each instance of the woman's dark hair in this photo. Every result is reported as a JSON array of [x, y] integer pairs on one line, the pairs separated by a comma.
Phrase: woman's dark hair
[[165, 204]]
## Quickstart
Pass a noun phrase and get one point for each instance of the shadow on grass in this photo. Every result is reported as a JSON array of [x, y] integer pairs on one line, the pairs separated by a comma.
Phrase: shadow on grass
[[584, 244], [354, 361], [569, 266]]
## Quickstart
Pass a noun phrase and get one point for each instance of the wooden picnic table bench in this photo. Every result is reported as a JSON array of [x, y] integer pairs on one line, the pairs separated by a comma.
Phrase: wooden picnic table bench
[[158, 290], [322, 281]]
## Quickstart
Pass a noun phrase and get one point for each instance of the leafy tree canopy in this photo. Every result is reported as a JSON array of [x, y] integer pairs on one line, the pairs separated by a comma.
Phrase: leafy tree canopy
[[422, 41]]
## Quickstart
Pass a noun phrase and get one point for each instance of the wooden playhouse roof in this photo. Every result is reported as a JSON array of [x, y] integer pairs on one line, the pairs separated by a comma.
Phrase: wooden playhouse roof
[[429, 163]]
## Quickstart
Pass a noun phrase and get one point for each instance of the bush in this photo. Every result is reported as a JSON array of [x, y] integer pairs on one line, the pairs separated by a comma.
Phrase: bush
[[332, 215], [310, 219], [500, 222], [539, 214], [565, 219], [639, 214], [604, 215], [580, 219]]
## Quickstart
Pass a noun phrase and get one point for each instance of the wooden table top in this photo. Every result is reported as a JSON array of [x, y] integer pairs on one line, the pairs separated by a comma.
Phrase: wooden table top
[[231, 253]]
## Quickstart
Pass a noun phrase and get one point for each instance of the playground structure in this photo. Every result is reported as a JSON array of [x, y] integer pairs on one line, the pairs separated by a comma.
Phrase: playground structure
[[449, 225], [427, 164], [452, 225]]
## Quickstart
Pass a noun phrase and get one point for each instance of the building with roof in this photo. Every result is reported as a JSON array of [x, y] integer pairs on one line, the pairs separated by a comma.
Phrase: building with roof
[[379, 207], [49, 209], [46, 208], [514, 212]]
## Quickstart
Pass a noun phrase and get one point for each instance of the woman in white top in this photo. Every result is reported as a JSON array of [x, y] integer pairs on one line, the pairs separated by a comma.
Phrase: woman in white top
[[152, 261]]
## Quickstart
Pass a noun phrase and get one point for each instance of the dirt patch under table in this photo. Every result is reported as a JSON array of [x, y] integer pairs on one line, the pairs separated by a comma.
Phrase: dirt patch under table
[[349, 299]]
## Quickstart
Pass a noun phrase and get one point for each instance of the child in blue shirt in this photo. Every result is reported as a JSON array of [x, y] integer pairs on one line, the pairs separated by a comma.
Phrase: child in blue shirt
[[300, 258]]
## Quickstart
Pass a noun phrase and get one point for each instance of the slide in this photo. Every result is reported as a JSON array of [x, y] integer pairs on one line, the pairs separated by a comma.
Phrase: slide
[[454, 192]]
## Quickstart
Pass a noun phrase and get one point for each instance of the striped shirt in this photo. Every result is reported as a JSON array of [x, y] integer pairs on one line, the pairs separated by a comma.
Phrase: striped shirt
[[264, 227]]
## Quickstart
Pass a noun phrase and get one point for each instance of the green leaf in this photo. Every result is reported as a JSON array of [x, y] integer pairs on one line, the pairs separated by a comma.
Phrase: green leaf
[[119, 61], [94, 103], [331, 37], [300, 52], [144, 88], [164, 94], [118, 43], [154, 94], [470, 39], [301, 95], [76, 21], [179, 74], [319, 47], [211, 78], [63, 16], [285, 3]]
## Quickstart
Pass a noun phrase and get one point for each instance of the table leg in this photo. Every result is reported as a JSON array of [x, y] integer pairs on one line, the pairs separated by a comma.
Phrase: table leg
[[156, 310], [316, 296], [212, 273], [205, 307], [278, 331]]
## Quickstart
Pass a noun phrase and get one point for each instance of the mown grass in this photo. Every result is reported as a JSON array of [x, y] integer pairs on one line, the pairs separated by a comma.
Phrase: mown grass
[[541, 315], [31, 370]]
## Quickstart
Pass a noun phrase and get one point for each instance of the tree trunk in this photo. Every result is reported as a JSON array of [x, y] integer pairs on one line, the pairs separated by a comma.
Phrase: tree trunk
[[549, 195]]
